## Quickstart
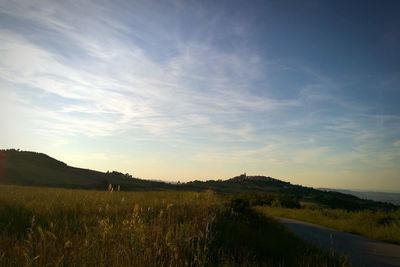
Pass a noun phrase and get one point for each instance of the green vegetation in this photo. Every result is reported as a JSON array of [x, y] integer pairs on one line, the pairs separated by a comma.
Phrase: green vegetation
[[380, 225], [61, 227]]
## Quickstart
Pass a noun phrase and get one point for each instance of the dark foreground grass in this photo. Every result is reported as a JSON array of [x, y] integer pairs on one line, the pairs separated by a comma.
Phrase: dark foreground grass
[[245, 237], [58, 227], [379, 225]]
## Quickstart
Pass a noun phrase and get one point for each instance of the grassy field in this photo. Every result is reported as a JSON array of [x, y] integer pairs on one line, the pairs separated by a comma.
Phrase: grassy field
[[60, 227], [379, 225]]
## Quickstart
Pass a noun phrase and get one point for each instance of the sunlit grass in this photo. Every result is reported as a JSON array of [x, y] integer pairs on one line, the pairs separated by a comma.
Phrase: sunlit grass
[[380, 225], [89, 228], [60, 227]]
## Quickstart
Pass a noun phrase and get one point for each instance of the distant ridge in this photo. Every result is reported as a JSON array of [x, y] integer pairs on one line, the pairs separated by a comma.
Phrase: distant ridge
[[389, 197], [38, 169]]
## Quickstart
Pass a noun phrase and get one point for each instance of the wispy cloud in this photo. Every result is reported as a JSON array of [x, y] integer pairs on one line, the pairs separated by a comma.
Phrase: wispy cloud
[[120, 82], [186, 74]]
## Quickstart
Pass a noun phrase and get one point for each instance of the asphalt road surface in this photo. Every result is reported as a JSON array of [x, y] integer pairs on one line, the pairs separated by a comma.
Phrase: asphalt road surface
[[361, 251]]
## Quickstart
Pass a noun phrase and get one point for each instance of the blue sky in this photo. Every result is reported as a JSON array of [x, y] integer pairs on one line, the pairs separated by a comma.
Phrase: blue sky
[[305, 91]]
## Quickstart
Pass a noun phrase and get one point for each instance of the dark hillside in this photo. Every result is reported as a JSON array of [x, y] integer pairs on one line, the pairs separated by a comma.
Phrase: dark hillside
[[31, 168], [241, 183]]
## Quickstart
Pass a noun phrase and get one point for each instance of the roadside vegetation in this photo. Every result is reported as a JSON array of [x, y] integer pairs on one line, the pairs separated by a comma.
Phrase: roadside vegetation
[[379, 225], [61, 227]]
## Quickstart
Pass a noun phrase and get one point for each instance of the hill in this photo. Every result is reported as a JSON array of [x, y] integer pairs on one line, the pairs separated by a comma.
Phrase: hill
[[389, 197], [267, 189], [37, 169], [242, 183]]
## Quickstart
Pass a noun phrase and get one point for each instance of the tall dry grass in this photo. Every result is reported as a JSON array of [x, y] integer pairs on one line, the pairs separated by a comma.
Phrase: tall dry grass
[[57, 227], [60, 227]]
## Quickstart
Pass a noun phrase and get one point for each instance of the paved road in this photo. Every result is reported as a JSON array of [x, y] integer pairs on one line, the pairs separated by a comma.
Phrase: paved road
[[360, 250]]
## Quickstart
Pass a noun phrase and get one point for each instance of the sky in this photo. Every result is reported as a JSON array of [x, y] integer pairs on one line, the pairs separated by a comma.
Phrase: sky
[[304, 91]]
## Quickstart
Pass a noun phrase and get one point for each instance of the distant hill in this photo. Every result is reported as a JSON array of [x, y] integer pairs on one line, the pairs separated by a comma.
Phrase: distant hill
[[242, 183], [251, 184], [388, 197], [38, 169]]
